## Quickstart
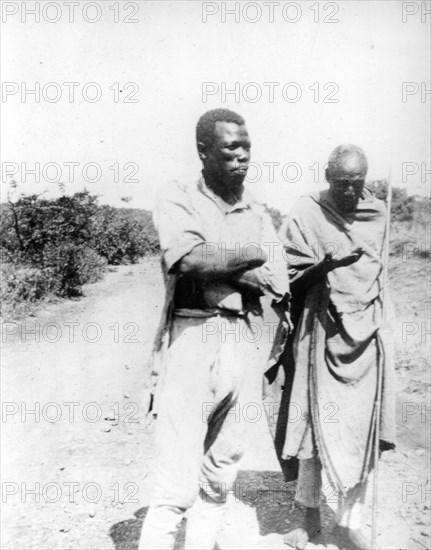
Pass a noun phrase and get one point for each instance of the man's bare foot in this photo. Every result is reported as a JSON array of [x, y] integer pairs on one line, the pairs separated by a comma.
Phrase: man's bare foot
[[298, 538]]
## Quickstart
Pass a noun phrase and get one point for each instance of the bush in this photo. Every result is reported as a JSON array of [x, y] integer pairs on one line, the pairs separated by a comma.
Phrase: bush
[[33, 223], [66, 269], [55, 246], [91, 265], [121, 237], [410, 218], [23, 284], [409, 240], [403, 204], [70, 266]]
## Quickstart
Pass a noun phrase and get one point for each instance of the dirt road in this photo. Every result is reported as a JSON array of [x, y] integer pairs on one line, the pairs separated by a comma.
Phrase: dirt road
[[77, 444]]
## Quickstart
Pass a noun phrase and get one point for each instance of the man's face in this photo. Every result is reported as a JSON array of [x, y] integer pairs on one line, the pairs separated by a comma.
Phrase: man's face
[[226, 158], [346, 184]]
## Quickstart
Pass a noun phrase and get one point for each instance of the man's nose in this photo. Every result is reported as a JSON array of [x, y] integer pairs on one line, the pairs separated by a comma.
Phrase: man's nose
[[243, 154]]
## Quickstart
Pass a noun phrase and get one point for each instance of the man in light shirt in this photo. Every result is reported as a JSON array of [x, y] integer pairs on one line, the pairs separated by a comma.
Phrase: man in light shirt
[[220, 254]]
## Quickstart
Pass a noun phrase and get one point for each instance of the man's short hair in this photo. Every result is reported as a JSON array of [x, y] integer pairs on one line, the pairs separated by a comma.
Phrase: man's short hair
[[206, 124], [336, 157]]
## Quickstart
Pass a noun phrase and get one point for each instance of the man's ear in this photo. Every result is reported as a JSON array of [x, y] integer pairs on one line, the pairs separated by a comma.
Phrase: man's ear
[[202, 150]]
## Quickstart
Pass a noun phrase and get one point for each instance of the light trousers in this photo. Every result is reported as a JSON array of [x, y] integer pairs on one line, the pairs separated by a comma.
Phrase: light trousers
[[211, 367]]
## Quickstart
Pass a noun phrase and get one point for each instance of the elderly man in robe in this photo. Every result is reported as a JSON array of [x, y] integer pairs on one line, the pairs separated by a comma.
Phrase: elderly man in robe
[[219, 256], [334, 240]]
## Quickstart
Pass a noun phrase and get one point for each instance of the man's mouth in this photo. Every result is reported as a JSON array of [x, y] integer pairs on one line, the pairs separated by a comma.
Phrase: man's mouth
[[240, 169], [350, 203]]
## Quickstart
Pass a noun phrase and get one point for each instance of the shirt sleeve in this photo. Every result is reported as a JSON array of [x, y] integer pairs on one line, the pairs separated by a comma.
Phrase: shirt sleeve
[[274, 272], [177, 223]]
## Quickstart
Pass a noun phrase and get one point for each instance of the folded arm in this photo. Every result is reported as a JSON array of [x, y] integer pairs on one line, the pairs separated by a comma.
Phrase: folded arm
[[233, 266]]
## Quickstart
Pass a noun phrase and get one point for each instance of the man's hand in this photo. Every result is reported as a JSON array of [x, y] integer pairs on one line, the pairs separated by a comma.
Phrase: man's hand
[[330, 263], [281, 308], [318, 272]]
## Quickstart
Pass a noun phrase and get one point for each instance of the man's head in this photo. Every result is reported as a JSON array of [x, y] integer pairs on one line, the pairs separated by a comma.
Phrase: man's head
[[346, 172], [224, 149]]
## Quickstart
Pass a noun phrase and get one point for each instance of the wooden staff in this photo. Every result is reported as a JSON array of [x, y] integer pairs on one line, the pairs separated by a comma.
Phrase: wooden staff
[[378, 404]]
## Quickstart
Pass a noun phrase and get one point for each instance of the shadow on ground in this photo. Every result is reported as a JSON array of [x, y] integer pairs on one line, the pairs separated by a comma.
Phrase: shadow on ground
[[268, 502], [125, 534], [261, 507]]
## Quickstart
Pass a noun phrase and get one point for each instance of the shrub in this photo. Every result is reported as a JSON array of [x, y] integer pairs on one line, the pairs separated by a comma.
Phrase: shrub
[[23, 284], [122, 237], [403, 204], [55, 246], [70, 266]]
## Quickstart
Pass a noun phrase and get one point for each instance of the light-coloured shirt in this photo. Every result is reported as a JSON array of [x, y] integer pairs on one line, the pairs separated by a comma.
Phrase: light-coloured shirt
[[191, 214]]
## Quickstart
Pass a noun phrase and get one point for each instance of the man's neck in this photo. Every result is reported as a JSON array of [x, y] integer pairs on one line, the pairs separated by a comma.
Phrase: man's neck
[[222, 191]]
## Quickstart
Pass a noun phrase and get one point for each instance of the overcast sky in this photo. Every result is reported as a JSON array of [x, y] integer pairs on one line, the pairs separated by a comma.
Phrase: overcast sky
[[362, 61]]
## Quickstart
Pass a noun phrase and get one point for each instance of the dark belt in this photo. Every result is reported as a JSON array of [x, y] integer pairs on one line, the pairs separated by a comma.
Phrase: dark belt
[[209, 312]]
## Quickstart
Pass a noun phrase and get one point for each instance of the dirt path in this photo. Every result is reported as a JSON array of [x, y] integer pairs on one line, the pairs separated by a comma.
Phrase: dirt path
[[76, 470]]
